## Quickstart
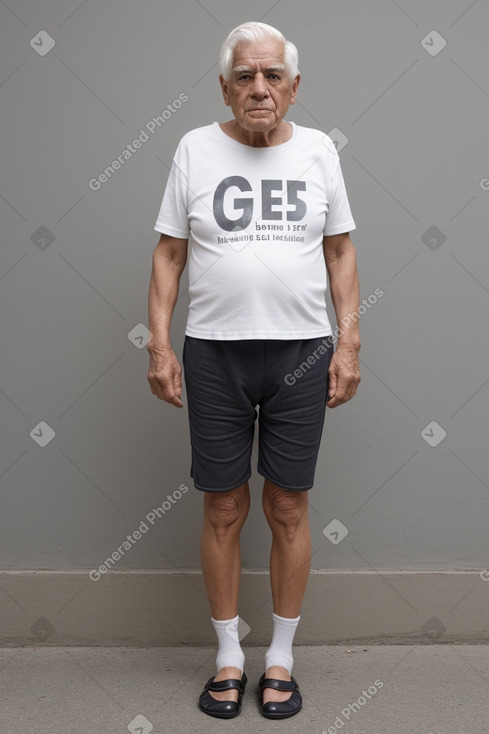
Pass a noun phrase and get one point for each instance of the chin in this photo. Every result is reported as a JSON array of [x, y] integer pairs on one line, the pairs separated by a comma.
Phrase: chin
[[260, 122]]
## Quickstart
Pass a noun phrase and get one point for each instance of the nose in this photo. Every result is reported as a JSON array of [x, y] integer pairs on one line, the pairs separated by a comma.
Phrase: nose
[[259, 89]]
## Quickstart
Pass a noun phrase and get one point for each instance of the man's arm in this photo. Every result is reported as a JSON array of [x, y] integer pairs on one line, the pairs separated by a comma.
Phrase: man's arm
[[344, 369], [165, 374]]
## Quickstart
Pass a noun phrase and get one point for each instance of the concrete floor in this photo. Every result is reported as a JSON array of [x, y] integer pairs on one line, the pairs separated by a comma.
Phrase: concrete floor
[[399, 689]]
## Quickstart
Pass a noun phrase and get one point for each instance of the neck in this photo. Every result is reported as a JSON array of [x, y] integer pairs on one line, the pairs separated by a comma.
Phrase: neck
[[268, 138]]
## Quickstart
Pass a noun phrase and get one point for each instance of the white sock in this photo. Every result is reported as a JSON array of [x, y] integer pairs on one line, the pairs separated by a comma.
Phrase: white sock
[[280, 650], [230, 653]]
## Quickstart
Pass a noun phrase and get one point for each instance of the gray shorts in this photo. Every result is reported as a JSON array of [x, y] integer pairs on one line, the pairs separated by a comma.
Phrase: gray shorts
[[226, 380]]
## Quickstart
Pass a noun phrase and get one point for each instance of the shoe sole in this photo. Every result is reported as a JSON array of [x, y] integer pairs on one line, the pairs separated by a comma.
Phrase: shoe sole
[[219, 716]]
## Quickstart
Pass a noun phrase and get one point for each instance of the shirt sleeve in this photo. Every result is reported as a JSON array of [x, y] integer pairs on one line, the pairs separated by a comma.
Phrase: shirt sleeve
[[339, 217], [173, 215]]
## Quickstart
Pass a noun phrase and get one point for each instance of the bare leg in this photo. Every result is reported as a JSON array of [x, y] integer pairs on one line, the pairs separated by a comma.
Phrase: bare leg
[[290, 559], [224, 516]]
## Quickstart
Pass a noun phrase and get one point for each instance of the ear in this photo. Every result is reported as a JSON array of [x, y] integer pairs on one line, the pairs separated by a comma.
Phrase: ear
[[295, 84], [224, 89]]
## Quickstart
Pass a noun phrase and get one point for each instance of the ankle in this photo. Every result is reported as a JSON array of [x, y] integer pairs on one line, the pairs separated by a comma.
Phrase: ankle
[[230, 654], [277, 671], [229, 671], [279, 654]]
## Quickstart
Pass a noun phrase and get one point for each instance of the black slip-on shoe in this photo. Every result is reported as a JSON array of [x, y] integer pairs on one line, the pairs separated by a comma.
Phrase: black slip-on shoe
[[222, 709], [280, 709]]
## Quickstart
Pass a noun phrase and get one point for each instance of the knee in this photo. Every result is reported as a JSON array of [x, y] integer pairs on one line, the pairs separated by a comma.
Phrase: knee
[[285, 507], [226, 509]]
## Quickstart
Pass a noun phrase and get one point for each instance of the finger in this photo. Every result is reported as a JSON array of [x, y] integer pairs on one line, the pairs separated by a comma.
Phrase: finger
[[352, 388], [170, 397], [176, 387], [177, 384], [175, 400], [338, 397], [155, 388], [164, 388], [331, 386], [172, 390], [344, 393]]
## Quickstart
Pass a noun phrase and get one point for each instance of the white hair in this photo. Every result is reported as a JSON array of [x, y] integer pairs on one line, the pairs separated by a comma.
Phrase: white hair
[[255, 31]]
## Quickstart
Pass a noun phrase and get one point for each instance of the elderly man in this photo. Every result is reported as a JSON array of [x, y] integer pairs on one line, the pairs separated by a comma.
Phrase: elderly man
[[264, 204]]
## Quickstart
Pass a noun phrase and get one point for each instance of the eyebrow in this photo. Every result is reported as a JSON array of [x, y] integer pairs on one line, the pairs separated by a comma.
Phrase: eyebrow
[[242, 68]]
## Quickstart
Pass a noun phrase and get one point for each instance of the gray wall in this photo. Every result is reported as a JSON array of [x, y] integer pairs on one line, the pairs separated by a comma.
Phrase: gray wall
[[416, 118]]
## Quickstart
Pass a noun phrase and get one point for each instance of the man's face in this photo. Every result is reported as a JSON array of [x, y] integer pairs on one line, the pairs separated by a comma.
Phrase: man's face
[[259, 90]]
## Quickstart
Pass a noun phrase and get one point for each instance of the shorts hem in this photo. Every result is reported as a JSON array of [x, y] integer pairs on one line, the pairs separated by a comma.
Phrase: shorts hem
[[226, 489], [284, 486]]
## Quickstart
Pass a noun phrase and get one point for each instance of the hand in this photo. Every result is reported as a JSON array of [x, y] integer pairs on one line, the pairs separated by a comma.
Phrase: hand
[[165, 374], [344, 376]]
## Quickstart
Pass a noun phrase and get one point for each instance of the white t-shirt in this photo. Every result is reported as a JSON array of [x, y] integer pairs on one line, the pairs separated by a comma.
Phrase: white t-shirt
[[255, 219]]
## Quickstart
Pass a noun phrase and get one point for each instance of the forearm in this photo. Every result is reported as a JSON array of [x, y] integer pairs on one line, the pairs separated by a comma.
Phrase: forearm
[[345, 294], [163, 294]]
